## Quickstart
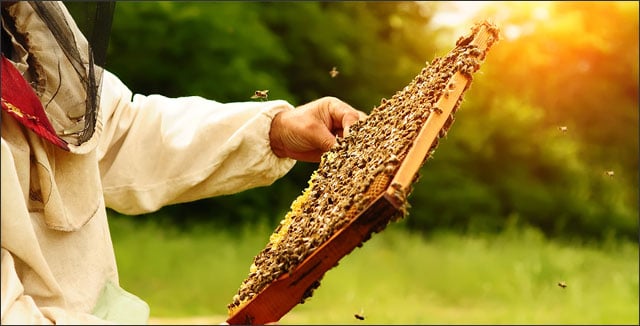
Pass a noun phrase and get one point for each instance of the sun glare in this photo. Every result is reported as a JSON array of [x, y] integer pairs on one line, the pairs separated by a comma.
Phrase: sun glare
[[458, 15], [458, 12]]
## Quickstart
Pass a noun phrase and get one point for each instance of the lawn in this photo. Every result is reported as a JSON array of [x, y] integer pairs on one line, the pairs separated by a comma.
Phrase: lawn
[[395, 278]]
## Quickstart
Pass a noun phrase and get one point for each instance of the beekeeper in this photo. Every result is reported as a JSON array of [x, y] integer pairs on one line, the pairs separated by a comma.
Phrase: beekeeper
[[76, 140]]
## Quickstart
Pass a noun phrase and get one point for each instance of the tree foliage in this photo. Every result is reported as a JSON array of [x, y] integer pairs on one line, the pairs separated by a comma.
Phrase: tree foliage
[[505, 160]]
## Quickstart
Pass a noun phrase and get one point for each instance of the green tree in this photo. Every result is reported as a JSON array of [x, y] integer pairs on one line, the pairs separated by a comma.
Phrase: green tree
[[571, 65], [377, 47], [500, 166], [578, 62], [219, 50]]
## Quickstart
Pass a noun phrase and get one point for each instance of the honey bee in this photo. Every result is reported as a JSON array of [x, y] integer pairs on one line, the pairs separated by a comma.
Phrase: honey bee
[[462, 41], [389, 169], [610, 173], [563, 128], [562, 284], [475, 52], [442, 133], [261, 94], [360, 315], [333, 72]]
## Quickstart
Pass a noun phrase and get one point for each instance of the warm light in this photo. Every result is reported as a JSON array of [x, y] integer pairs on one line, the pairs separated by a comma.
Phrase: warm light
[[459, 15], [541, 13], [456, 13], [511, 32]]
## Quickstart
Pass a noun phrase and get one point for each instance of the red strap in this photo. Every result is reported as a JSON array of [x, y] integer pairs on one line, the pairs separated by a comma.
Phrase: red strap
[[21, 102]]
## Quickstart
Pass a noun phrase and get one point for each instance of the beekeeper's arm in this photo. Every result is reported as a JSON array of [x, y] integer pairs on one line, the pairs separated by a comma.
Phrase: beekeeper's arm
[[156, 151]]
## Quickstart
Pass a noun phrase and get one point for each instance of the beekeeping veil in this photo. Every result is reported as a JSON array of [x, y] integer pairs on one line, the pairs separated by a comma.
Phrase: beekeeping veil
[[64, 67], [94, 19]]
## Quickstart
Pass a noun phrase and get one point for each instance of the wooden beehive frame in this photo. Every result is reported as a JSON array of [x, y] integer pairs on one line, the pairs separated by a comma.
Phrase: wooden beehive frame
[[429, 133], [290, 289]]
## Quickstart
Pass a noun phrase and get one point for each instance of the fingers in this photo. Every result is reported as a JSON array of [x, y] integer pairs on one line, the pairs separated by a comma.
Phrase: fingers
[[310, 130], [300, 134], [341, 115], [321, 140], [338, 117]]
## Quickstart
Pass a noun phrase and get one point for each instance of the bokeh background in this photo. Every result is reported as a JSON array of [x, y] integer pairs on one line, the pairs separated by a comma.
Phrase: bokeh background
[[536, 183]]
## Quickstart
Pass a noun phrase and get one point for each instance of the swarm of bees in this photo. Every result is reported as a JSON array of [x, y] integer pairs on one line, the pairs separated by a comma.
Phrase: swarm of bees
[[359, 167]]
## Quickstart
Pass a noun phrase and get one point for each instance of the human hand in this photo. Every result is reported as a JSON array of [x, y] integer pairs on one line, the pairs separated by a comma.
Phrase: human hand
[[309, 130]]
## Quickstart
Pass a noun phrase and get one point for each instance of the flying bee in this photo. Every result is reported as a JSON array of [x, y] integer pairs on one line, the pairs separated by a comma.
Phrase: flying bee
[[563, 128], [562, 284], [359, 316], [261, 94], [333, 72], [610, 173]]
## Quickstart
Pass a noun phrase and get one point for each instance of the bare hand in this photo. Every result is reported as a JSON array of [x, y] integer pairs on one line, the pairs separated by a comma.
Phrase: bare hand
[[309, 130]]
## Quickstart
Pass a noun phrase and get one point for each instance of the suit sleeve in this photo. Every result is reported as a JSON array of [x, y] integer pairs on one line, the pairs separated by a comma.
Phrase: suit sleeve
[[155, 151]]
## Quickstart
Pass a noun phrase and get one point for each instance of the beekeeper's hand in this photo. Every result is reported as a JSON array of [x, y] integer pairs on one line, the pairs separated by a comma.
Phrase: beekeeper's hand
[[309, 130]]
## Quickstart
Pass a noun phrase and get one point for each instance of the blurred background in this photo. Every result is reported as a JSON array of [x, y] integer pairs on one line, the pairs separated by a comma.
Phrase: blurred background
[[535, 185]]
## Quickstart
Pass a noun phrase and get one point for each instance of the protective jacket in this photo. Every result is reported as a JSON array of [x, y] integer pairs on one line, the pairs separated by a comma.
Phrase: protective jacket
[[132, 153]]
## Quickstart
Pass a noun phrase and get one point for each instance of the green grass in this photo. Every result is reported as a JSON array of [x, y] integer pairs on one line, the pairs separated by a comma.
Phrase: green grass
[[395, 278]]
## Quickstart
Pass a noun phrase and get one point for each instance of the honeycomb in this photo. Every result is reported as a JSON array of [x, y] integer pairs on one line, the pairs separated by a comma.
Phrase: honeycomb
[[362, 165]]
